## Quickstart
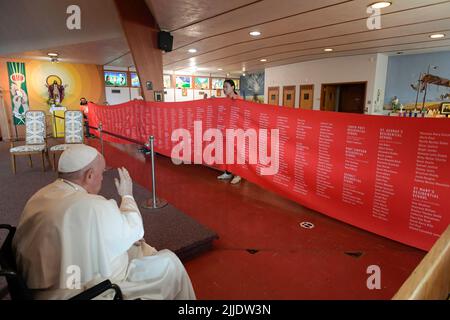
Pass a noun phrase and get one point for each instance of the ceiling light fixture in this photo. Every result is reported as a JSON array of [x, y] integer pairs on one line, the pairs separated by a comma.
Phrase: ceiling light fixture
[[192, 50], [263, 60], [255, 33], [437, 36], [52, 54], [328, 50], [380, 5], [220, 69]]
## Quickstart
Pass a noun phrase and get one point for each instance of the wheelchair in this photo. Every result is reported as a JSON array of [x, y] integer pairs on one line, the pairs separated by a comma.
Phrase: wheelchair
[[17, 287]]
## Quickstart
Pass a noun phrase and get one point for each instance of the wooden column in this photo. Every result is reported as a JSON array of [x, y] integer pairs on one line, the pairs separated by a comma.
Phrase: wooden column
[[141, 31], [4, 123]]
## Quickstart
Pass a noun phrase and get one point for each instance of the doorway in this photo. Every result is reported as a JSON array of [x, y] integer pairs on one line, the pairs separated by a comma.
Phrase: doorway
[[306, 97], [289, 96], [274, 95], [344, 97]]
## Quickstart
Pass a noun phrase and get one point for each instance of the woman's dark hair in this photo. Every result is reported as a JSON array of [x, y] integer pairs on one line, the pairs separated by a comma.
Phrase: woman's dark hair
[[231, 83]]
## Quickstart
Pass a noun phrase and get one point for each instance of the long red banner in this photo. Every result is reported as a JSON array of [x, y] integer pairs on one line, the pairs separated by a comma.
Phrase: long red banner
[[387, 175]]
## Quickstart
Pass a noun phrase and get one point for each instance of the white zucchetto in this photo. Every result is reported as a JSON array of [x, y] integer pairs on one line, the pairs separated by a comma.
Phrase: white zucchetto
[[76, 157]]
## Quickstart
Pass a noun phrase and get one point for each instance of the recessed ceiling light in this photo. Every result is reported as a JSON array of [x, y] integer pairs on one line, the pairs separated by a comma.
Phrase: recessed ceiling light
[[243, 74], [380, 5], [192, 50], [52, 54], [437, 36], [328, 50], [263, 60], [220, 69], [255, 33]]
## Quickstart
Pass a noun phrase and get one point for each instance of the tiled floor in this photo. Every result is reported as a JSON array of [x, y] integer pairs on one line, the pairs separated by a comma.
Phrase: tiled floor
[[262, 252]]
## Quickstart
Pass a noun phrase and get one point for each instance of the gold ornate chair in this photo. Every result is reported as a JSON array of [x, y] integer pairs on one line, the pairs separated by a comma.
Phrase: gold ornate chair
[[73, 133], [35, 139]]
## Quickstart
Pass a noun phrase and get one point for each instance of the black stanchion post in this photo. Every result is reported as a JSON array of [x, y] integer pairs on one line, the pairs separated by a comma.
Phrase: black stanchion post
[[100, 131], [154, 202]]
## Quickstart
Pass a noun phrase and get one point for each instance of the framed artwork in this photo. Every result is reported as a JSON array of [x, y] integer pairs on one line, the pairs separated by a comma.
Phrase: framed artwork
[[167, 81], [134, 80], [445, 108], [201, 83], [217, 83], [158, 95], [183, 82], [115, 79]]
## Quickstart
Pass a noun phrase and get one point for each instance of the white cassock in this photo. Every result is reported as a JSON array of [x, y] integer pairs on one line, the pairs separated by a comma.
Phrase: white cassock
[[64, 231]]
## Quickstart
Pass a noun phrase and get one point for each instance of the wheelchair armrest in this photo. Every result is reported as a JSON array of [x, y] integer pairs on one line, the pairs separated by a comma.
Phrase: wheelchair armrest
[[7, 227], [7, 273], [99, 289]]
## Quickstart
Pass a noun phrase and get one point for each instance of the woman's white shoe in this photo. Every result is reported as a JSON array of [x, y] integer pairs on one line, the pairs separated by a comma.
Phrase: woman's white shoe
[[236, 180], [225, 176]]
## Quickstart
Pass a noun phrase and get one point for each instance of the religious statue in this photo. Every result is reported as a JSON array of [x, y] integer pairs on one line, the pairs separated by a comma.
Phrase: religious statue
[[55, 89]]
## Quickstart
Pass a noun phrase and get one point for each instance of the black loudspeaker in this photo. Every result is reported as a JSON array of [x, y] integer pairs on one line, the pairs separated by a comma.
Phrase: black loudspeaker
[[165, 41]]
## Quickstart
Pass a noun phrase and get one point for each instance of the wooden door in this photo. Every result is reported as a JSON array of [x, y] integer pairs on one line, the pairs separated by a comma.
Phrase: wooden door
[[274, 94], [307, 97], [328, 100], [289, 96], [352, 97]]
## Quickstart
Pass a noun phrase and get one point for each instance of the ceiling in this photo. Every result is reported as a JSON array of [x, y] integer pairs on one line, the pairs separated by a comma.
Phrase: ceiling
[[291, 31]]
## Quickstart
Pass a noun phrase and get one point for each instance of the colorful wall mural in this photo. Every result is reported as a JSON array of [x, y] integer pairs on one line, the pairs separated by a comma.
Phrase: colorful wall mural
[[402, 82]]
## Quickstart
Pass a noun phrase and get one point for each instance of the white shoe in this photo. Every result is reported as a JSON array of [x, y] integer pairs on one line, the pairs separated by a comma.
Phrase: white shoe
[[236, 180], [225, 176]]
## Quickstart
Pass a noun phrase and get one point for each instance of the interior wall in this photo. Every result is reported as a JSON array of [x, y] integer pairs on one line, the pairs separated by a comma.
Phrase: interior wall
[[325, 71], [379, 90], [82, 80], [117, 95]]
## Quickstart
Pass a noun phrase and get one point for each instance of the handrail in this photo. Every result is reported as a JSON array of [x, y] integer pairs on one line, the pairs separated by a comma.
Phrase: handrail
[[431, 278]]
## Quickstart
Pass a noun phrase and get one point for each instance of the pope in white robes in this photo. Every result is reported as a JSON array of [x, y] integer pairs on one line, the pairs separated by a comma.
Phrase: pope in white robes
[[69, 238]]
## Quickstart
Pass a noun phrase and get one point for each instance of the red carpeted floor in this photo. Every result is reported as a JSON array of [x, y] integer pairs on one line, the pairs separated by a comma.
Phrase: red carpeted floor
[[262, 252]]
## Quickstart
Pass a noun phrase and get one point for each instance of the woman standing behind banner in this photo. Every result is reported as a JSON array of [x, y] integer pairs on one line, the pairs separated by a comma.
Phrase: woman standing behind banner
[[84, 108], [229, 88]]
